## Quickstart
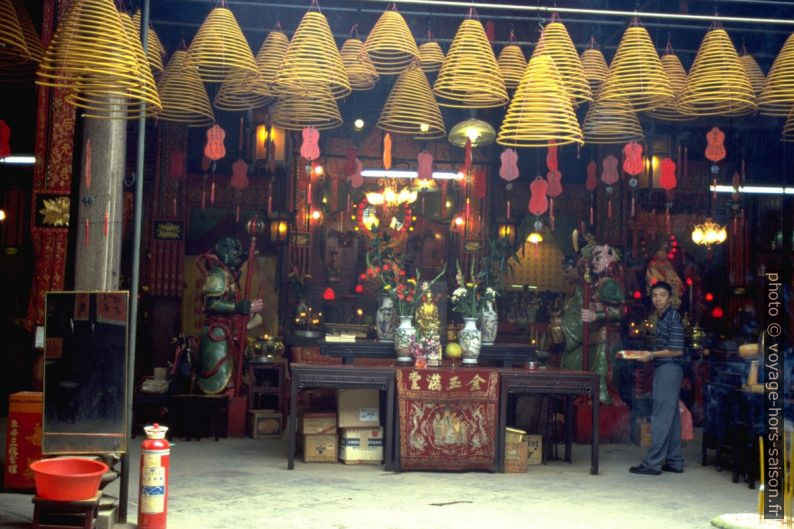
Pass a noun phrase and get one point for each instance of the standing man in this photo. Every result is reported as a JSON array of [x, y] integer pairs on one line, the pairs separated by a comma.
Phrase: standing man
[[668, 348]]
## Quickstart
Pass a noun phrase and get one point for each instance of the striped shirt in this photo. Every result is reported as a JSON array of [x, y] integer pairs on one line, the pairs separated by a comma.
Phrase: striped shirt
[[669, 333]]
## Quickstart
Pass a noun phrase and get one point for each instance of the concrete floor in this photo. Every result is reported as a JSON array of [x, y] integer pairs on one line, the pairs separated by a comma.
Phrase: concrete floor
[[244, 483]]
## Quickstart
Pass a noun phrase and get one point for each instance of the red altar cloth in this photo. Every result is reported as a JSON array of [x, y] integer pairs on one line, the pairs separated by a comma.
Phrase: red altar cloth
[[448, 418]]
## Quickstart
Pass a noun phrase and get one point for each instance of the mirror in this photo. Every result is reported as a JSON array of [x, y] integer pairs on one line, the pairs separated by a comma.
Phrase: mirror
[[85, 373]]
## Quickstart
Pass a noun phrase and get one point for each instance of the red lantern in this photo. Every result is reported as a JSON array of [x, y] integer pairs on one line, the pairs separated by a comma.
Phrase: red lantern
[[717, 313], [667, 179], [329, 294], [359, 289], [709, 296], [637, 294]]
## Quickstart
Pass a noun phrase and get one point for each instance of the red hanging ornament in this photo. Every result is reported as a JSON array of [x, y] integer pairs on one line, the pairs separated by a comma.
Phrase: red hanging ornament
[[592, 182], [424, 170], [467, 156], [310, 149], [5, 136], [632, 164], [509, 168], [387, 151], [609, 173], [667, 179], [715, 148], [551, 156], [329, 294], [239, 179], [538, 203], [176, 165], [214, 148]]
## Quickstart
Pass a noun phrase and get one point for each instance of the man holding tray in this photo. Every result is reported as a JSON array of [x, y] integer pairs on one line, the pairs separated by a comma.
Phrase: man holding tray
[[668, 347]]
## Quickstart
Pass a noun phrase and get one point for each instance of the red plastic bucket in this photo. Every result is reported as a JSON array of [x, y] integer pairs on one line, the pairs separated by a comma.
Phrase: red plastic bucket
[[67, 478]]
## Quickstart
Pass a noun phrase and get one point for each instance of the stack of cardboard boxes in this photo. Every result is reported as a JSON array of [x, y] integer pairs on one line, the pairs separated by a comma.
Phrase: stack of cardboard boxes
[[359, 438], [521, 449]]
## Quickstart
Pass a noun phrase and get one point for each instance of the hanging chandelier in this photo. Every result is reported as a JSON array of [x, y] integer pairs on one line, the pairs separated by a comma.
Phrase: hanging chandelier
[[390, 196], [709, 233]]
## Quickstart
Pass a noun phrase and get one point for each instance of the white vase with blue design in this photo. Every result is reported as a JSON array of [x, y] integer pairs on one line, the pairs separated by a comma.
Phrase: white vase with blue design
[[469, 339], [489, 323], [404, 334]]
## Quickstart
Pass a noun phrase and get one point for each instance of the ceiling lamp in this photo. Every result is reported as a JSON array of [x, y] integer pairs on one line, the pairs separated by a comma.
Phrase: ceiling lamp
[[411, 107], [236, 92], [636, 72], [470, 76], [674, 111], [540, 110], [709, 233], [611, 121], [220, 47], [555, 41], [183, 94], [95, 60], [777, 97], [788, 128], [154, 48], [431, 56], [535, 237], [475, 130], [390, 44], [312, 60], [594, 66], [358, 66], [268, 59], [512, 63], [717, 83], [754, 72], [310, 108]]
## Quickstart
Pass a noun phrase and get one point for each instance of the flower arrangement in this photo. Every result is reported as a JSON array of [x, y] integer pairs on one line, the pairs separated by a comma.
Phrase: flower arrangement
[[471, 296]]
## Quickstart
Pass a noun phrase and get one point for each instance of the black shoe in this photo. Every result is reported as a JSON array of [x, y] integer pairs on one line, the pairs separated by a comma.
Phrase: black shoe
[[641, 469], [668, 468]]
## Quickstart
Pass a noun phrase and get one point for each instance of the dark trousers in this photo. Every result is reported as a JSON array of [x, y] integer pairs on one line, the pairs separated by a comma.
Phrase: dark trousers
[[665, 418]]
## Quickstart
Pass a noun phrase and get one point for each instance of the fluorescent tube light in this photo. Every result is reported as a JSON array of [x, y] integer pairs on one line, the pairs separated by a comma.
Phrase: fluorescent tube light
[[19, 159]]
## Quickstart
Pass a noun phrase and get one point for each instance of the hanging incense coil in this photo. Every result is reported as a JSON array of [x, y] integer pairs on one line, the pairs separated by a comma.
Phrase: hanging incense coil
[[777, 97], [636, 72], [674, 111], [101, 99], [540, 110], [512, 64], [717, 83], [431, 56], [312, 60], [220, 47], [270, 55], [154, 47], [360, 70], [390, 44], [788, 128], [470, 76], [17, 68], [315, 107], [12, 39], [95, 58], [411, 107], [611, 121], [555, 41], [236, 92], [183, 94], [754, 72], [594, 66]]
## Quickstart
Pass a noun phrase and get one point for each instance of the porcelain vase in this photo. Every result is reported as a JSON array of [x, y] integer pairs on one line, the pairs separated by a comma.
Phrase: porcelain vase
[[404, 334], [469, 339], [489, 323]]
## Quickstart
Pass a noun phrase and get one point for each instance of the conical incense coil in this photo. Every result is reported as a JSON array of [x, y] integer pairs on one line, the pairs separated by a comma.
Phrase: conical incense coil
[[595, 68], [674, 111], [268, 59], [512, 64], [183, 94], [777, 97], [236, 92], [611, 121], [470, 76], [220, 47], [555, 41], [540, 110], [360, 70], [636, 72], [390, 44], [12, 38], [16, 67], [154, 48], [411, 107], [717, 84], [311, 108], [431, 57], [788, 128], [754, 72], [312, 61]]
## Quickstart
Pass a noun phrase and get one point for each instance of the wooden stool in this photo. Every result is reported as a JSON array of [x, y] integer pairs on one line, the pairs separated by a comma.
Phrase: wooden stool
[[49, 514]]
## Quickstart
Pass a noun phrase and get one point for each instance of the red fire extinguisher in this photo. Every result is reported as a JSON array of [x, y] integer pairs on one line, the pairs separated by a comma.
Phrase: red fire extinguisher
[[153, 497]]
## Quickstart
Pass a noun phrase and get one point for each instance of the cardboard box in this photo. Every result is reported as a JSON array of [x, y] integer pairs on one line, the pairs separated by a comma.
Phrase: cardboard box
[[23, 439], [320, 448], [264, 424], [516, 457], [361, 445], [358, 407], [534, 449], [313, 423]]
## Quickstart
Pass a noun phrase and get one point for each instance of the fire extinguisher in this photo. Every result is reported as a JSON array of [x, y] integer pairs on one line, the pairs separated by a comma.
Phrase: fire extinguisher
[[153, 497]]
